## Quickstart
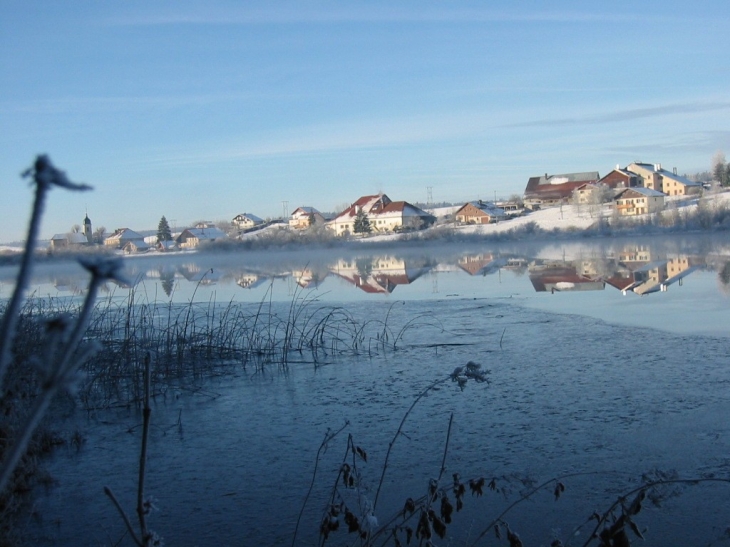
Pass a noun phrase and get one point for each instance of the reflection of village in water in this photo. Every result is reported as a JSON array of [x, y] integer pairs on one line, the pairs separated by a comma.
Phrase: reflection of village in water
[[634, 270], [631, 269]]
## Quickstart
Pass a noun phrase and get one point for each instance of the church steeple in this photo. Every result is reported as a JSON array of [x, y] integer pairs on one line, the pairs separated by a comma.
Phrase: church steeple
[[87, 227]]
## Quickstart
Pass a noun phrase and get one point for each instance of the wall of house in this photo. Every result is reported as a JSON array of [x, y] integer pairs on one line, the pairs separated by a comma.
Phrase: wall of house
[[639, 205]]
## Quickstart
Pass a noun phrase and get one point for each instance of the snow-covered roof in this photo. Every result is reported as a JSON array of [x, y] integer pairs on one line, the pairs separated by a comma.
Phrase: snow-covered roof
[[487, 208], [249, 216], [305, 211], [124, 234], [648, 192], [209, 234]]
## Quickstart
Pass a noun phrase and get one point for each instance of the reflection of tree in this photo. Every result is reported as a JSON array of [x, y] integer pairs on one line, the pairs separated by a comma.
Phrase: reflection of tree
[[724, 276], [167, 280], [364, 267]]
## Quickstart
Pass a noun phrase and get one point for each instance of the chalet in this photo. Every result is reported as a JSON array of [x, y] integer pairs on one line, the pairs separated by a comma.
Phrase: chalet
[[383, 214], [122, 236], [192, 237], [245, 221], [669, 182], [135, 246], [479, 212], [593, 193], [555, 189], [304, 217], [639, 201]]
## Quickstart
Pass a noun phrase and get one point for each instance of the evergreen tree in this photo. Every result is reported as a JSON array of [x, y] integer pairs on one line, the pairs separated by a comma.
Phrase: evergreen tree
[[362, 224], [163, 230]]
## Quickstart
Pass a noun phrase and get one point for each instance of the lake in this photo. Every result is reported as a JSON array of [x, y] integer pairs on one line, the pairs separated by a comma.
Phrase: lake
[[607, 360]]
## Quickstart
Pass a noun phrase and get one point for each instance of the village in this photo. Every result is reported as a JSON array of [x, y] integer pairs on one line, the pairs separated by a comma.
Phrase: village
[[639, 189]]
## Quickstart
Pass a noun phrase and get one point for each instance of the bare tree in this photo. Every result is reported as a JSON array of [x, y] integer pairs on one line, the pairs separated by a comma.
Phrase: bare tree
[[99, 235], [719, 167], [75, 229]]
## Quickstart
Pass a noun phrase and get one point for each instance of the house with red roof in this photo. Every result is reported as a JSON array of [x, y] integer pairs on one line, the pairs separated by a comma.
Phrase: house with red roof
[[383, 214], [555, 189]]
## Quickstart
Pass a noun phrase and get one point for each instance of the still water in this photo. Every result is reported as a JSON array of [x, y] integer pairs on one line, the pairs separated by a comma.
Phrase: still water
[[608, 359]]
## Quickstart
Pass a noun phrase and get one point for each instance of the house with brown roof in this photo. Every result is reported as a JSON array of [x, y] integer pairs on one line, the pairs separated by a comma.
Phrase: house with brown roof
[[555, 189], [621, 178], [245, 221], [122, 236], [304, 217], [202, 233], [479, 212], [639, 201], [383, 214]]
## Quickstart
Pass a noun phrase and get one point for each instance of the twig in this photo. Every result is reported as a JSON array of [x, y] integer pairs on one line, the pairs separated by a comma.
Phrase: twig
[[398, 432], [111, 496], [327, 438], [141, 510]]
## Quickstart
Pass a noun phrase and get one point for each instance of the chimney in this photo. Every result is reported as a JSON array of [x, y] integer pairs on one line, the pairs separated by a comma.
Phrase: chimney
[[546, 175], [674, 170], [618, 167], [657, 167]]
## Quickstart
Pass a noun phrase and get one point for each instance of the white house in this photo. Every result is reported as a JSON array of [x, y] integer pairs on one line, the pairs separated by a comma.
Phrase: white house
[[245, 221], [383, 214]]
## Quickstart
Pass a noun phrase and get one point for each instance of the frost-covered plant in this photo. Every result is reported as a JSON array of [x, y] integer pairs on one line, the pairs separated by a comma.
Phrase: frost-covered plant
[[60, 352]]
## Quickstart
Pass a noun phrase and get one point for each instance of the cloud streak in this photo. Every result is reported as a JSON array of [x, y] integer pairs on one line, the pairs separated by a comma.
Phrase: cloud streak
[[627, 115], [337, 13], [340, 137]]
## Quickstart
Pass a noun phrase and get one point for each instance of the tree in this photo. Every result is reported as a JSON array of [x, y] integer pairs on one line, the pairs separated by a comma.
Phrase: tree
[[75, 229], [99, 234], [163, 230], [718, 167], [362, 224]]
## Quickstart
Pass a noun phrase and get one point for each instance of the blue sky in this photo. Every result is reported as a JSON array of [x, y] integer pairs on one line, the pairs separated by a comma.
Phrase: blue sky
[[203, 110]]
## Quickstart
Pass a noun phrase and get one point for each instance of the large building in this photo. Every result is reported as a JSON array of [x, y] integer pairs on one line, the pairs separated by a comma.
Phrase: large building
[[554, 189]]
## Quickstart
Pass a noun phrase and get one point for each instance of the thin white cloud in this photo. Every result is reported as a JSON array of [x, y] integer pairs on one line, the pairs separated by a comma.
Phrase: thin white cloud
[[322, 139], [302, 13], [106, 104], [628, 115]]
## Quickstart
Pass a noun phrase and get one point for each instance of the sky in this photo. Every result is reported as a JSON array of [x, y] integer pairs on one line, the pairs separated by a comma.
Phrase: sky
[[204, 110]]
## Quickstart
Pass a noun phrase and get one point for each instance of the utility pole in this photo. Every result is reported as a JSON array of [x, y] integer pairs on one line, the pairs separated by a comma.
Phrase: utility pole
[[285, 207], [429, 195]]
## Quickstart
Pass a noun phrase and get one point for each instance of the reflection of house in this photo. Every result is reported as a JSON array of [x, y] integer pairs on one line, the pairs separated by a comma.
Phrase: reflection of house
[[645, 277], [383, 215], [245, 221], [481, 264], [308, 278], [377, 274], [639, 201], [553, 189], [249, 281], [479, 212], [669, 182], [204, 276], [122, 236], [304, 217], [192, 237], [561, 276]]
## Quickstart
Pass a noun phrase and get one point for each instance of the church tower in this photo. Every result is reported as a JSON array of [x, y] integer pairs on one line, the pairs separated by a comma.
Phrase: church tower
[[87, 228]]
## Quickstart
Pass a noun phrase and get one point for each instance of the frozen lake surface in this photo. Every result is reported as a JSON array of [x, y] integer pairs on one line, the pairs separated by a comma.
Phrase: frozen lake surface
[[583, 380]]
